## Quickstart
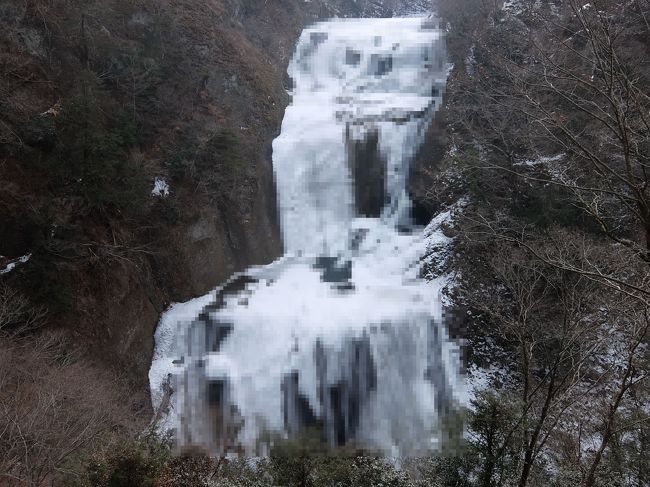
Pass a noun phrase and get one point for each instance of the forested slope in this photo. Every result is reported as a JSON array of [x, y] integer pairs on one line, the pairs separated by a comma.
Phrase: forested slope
[[546, 126]]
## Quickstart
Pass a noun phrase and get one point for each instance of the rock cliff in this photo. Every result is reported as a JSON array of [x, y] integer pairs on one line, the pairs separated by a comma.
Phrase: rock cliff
[[135, 149]]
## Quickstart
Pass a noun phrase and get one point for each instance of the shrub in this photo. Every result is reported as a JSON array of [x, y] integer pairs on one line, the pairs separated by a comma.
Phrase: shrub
[[52, 406], [133, 464]]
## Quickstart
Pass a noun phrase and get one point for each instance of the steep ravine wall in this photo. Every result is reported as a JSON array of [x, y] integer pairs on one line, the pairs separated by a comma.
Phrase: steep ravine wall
[[205, 83]]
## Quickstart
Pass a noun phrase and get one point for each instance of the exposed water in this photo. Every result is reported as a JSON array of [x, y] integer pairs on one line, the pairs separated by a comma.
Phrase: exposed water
[[341, 334]]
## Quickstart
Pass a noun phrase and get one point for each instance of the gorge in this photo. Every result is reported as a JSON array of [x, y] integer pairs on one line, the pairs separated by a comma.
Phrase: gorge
[[341, 333]]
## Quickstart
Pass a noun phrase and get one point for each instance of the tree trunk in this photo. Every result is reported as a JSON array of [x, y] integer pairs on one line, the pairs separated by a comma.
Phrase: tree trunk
[[488, 470], [529, 455], [609, 428]]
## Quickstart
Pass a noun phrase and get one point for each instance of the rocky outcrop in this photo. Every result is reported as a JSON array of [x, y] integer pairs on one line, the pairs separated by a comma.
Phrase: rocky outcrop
[[368, 169], [425, 170]]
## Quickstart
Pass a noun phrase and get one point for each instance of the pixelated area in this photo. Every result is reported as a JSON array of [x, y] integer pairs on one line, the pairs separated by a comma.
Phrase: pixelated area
[[342, 336]]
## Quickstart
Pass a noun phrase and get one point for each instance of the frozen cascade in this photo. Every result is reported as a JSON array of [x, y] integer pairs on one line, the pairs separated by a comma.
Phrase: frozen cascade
[[341, 333]]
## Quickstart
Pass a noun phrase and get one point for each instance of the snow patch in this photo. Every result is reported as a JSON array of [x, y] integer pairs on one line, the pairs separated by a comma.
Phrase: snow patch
[[12, 265], [160, 188], [542, 160]]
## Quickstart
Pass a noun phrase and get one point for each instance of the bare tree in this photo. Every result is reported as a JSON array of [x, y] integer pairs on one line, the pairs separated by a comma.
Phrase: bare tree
[[579, 346], [538, 309], [17, 313], [52, 403], [570, 80], [549, 106]]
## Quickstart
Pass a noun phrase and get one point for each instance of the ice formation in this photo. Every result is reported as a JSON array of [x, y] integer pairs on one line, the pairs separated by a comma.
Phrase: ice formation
[[341, 334], [160, 188]]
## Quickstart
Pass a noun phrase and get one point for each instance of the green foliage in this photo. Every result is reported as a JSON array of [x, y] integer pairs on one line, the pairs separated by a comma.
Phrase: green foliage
[[323, 470], [533, 203], [293, 461], [307, 460], [188, 471], [448, 471], [375, 472], [133, 464], [490, 455], [220, 155], [92, 157], [179, 162], [491, 422], [220, 163], [547, 205], [226, 147], [219, 166], [223, 169], [303, 462]]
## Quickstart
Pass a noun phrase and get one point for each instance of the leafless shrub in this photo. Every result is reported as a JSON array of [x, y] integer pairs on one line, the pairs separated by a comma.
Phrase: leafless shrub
[[52, 406], [17, 313]]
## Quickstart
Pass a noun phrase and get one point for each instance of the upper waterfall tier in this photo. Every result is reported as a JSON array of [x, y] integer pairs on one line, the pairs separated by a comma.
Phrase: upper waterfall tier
[[352, 78]]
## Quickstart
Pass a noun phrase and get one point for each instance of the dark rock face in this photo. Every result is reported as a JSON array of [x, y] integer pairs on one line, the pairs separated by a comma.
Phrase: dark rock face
[[341, 403], [423, 170], [334, 271], [369, 173], [298, 413]]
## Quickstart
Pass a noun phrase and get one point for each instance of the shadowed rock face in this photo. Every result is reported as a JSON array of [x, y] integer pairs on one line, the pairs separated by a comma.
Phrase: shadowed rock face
[[423, 171], [343, 402], [333, 271], [298, 414], [369, 175]]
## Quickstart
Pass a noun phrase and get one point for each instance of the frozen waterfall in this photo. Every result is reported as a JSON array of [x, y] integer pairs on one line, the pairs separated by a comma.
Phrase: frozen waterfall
[[341, 334]]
